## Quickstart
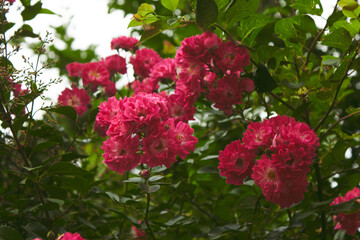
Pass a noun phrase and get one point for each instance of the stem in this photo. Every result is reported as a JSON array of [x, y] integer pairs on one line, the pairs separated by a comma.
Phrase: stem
[[204, 211], [278, 7], [33, 101], [343, 171], [42, 201], [335, 123], [336, 93], [282, 101], [316, 39], [146, 216], [289, 216], [320, 197]]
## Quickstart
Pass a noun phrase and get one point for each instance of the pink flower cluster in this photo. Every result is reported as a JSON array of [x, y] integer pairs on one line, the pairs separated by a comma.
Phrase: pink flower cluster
[[284, 149], [93, 75], [206, 64], [70, 236], [347, 221], [76, 98], [142, 131], [67, 236], [125, 43]]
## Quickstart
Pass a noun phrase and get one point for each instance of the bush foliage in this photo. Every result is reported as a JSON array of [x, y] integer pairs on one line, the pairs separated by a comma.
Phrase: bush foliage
[[279, 64]]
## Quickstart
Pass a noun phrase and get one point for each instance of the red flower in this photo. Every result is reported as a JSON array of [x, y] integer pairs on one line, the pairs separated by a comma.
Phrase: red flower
[[126, 43], [120, 153], [115, 64], [347, 221], [94, 74], [160, 147], [144, 60], [76, 98], [74, 69], [70, 236], [236, 162]]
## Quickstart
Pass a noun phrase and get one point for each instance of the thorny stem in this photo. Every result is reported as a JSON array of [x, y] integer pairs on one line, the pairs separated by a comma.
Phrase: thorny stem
[[335, 123], [336, 93], [146, 216], [282, 101], [42, 201], [320, 197], [343, 171], [316, 39], [204, 211]]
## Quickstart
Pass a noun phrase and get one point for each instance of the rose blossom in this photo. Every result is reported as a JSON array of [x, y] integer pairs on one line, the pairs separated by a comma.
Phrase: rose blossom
[[76, 98]]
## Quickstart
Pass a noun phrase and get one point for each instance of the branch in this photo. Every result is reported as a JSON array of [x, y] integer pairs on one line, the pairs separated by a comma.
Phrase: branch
[[146, 216], [320, 197], [336, 93], [282, 101], [316, 39], [335, 123]]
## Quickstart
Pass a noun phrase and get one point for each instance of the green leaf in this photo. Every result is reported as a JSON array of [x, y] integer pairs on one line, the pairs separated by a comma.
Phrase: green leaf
[[299, 111], [135, 180], [155, 178], [27, 31], [158, 169], [208, 169], [145, 9], [263, 80], [249, 24], [340, 235], [308, 6], [37, 229], [206, 13], [113, 196], [143, 187], [72, 156], [153, 188], [25, 2], [350, 8], [330, 60], [46, 11], [353, 27], [31, 11], [8, 233], [156, 28], [174, 220], [42, 146], [285, 28], [144, 16], [170, 4], [7, 26], [67, 111], [236, 10], [339, 38], [68, 169]]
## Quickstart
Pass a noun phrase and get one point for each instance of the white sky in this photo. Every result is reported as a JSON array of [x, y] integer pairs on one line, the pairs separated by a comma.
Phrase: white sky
[[90, 25]]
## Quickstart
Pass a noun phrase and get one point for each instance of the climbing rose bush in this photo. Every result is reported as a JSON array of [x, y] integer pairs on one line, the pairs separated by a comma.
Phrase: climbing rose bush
[[285, 149]]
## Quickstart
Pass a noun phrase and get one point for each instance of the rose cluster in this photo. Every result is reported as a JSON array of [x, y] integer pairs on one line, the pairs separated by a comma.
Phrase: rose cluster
[[277, 154], [93, 75], [347, 221], [203, 64], [67, 236], [206, 64], [142, 131]]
